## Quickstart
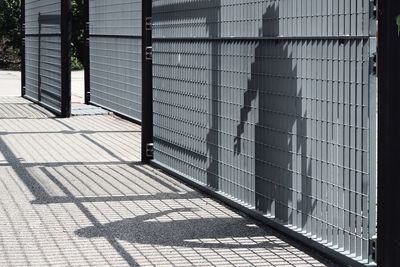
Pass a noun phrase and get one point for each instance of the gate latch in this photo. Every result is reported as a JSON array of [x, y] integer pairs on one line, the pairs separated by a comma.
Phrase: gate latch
[[149, 52], [374, 64]]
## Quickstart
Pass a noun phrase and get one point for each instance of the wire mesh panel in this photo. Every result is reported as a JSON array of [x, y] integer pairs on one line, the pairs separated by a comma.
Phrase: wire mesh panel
[[43, 54], [271, 104], [115, 55]]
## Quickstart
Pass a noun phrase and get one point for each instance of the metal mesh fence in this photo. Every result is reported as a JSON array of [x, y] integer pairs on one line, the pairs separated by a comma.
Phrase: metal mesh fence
[[272, 104], [115, 56], [43, 65]]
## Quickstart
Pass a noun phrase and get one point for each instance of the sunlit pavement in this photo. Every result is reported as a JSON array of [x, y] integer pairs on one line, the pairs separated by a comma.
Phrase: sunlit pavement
[[10, 85], [72, 192]]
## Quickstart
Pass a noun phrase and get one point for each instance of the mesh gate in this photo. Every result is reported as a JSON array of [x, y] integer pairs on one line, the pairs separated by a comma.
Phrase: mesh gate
[[273, 105], [46, 54], [115, 55]]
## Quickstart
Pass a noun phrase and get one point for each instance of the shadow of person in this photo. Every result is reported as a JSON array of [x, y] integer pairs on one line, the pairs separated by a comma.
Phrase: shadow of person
[[204, 232], [277, 98]]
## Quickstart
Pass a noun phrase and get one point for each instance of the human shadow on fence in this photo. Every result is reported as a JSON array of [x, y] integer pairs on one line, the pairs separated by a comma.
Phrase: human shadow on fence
[[276, 98]]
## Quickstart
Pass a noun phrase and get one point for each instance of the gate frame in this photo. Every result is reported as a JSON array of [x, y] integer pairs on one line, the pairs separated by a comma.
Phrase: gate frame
[[87, 64], [325, 251], [147, 78], [388, 134], [65, 30], [147, 83]]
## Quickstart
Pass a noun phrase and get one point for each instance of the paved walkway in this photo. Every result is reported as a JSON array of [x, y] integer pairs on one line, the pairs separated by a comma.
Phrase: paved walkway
[[10, 85], [72, 193]]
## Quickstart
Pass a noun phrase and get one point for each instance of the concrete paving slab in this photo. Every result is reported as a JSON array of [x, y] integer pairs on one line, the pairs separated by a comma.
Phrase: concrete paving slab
[[73, 193]]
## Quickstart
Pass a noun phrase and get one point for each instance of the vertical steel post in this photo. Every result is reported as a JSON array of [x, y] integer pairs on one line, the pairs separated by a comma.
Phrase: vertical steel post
[[66, 28], [388, 252], [23, 79], [147, 84], [87, 52]]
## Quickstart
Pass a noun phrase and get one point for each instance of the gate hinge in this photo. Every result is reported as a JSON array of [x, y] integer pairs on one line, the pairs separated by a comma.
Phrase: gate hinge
[[149, 23], [373, 250], [87, 29], [149, 53], [374, 9], [373, 56], [373, 17], [374, 64], [150, 150]]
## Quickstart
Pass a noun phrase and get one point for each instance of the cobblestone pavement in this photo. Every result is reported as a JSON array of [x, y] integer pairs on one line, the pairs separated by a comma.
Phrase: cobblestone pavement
[[73, 193]]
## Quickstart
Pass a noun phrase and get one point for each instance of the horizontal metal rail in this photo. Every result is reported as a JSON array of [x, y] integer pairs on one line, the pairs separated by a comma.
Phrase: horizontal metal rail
[[115, 36], [43, 35], [285, 38]]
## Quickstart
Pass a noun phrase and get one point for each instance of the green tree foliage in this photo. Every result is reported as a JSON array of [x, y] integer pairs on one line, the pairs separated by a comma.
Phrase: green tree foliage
[[78, 34], [10, 31]]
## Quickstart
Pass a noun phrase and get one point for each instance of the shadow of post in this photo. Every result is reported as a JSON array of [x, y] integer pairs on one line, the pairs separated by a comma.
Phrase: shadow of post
[[212, 137]]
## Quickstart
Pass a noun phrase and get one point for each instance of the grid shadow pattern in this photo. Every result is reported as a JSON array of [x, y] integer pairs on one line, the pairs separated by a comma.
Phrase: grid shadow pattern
[[72, 192]]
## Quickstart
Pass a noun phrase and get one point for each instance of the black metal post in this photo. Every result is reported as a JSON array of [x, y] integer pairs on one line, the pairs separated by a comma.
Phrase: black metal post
[[23, 78], [66, 28], [147, 84], [87, 53], [388, 252]]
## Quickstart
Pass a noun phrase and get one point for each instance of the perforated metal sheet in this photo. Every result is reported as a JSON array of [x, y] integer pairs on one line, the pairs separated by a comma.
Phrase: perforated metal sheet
[[272, 104], [115, 56]]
